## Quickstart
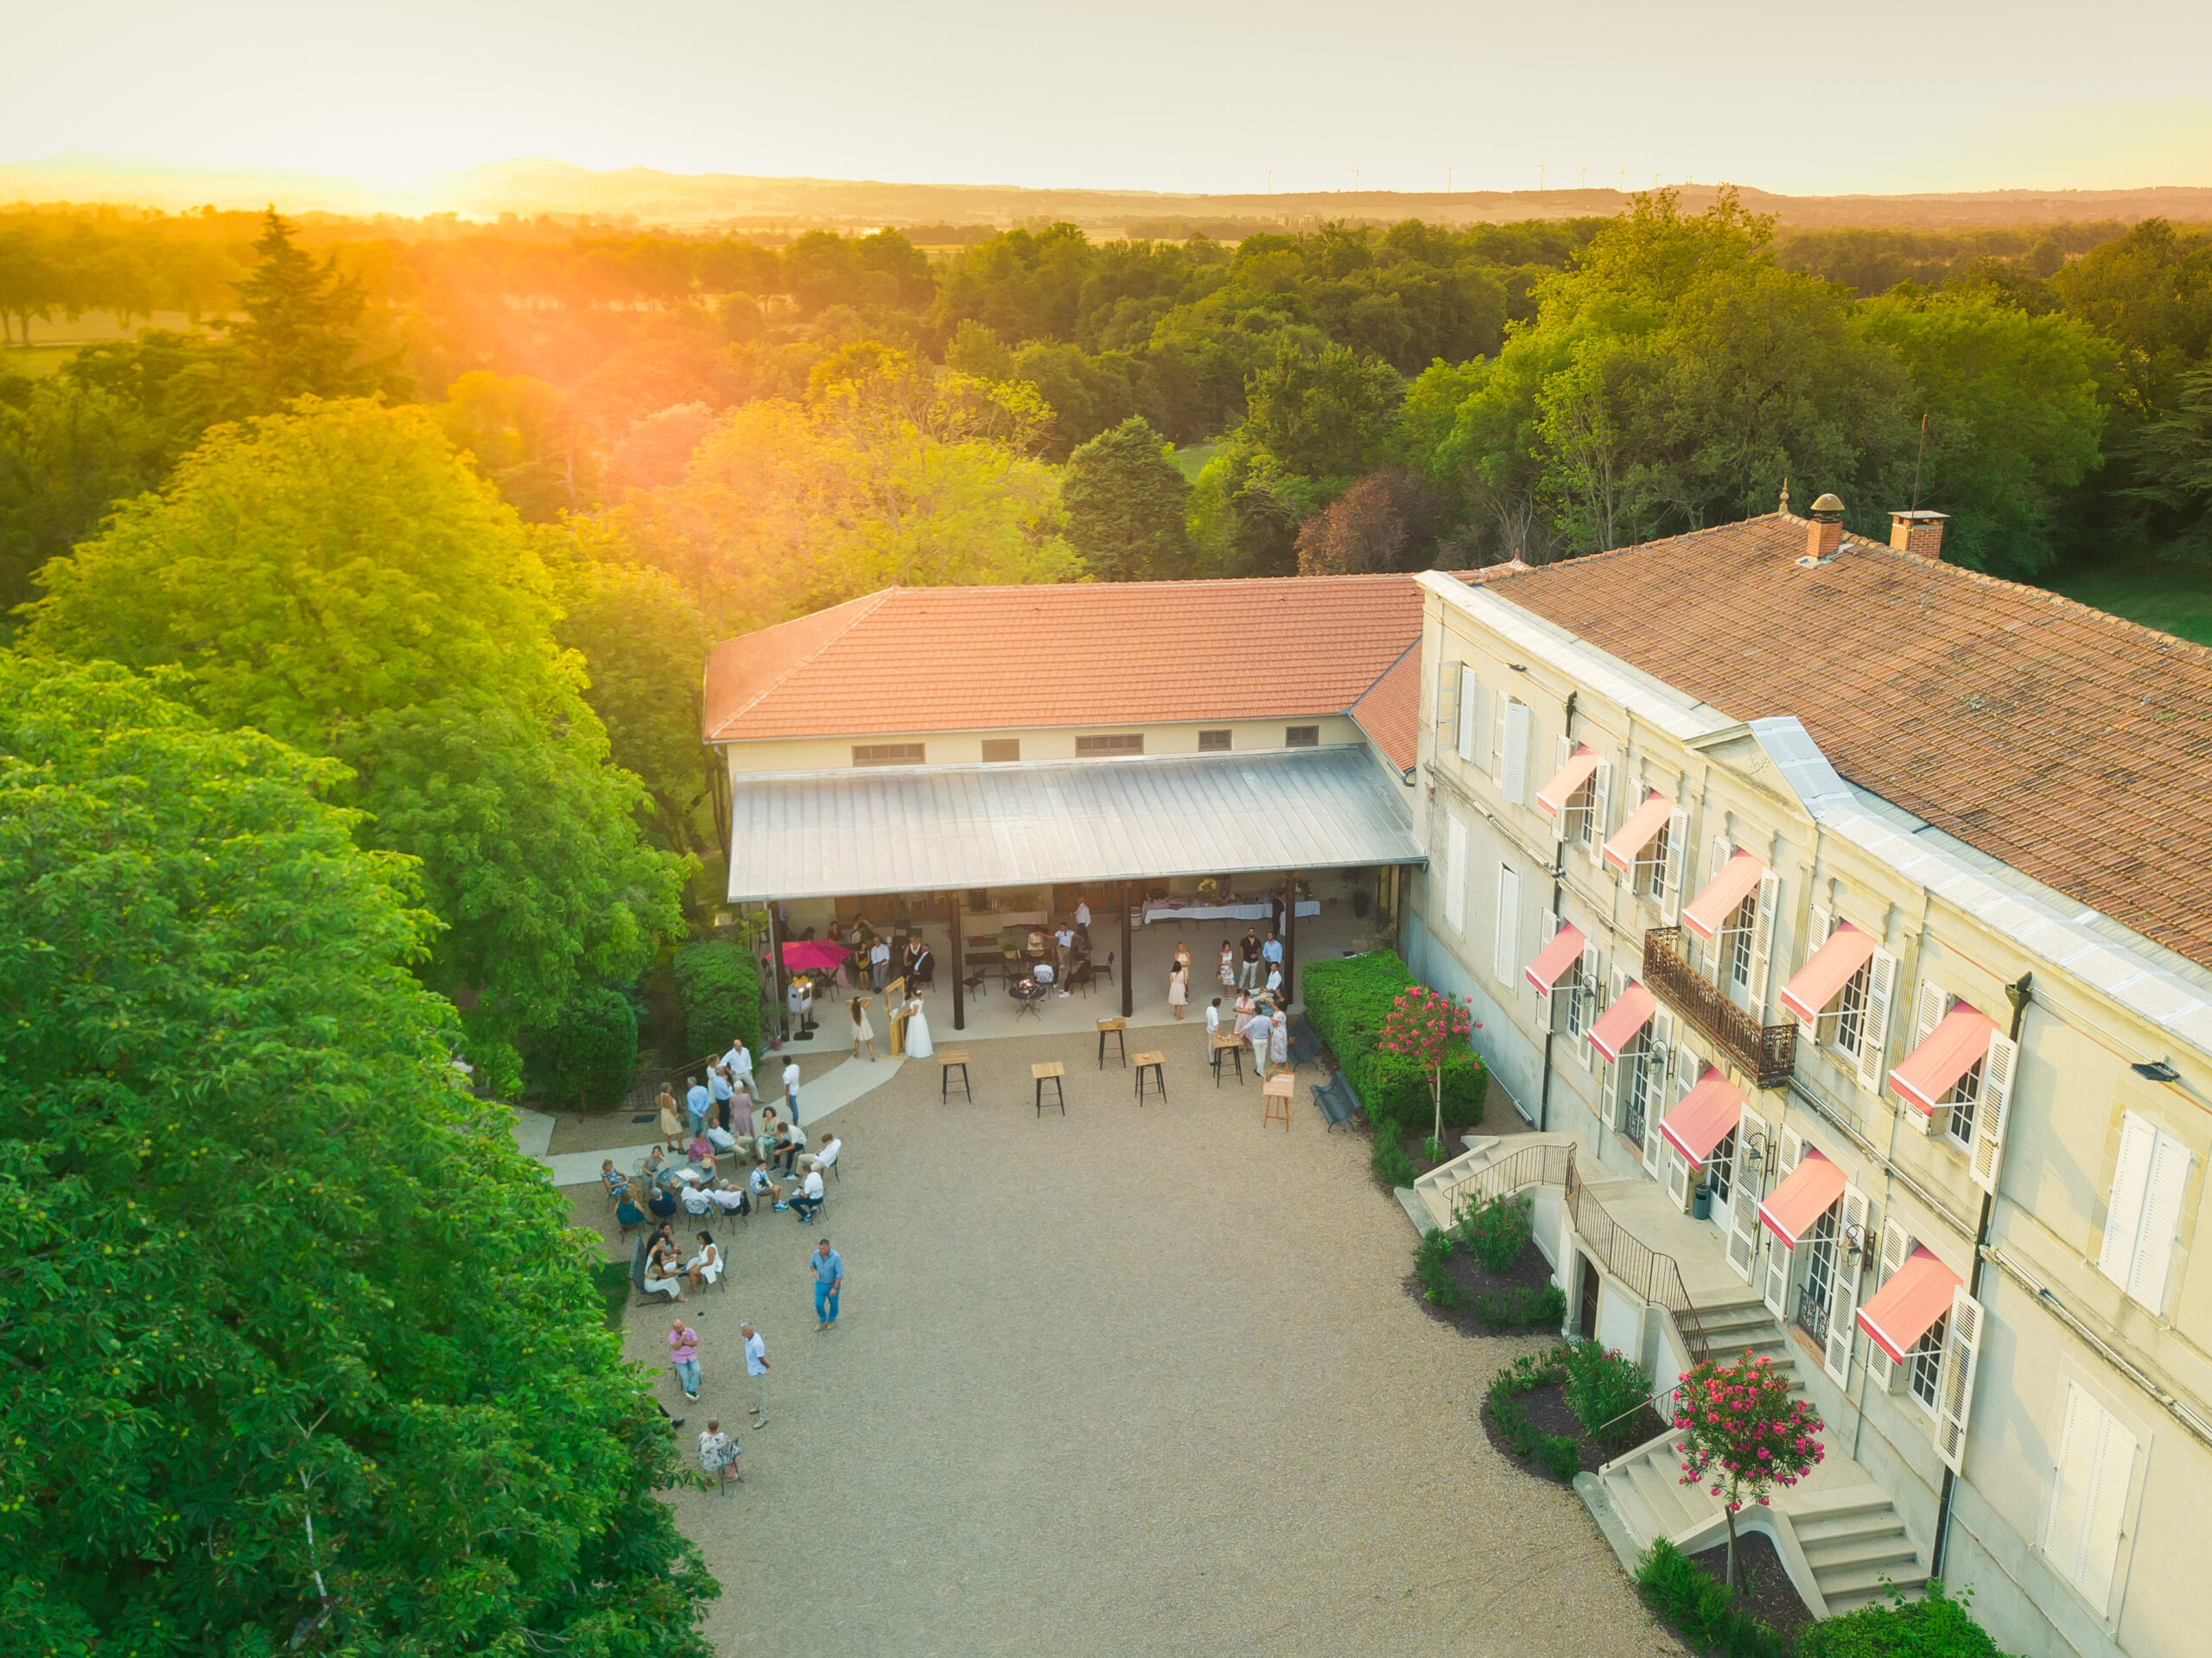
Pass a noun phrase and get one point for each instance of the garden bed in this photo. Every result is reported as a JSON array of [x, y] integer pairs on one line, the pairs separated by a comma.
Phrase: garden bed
[[1489, 1299], [1763, 1587], [1541, 1411], [1547, 1411]]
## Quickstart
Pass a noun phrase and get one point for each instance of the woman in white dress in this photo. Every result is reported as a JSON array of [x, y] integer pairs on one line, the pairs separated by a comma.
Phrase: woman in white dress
[[1179, 987], [862, 1031], [704, 1267], [918, 1029]]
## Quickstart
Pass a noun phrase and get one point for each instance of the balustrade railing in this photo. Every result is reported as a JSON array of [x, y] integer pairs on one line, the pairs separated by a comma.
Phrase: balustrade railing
[[1646, 1273], [1767, 1051]]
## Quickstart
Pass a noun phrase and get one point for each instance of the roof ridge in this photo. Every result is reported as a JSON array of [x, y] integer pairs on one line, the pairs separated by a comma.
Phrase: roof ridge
[[2049, 596], [1510, 574], [1388, 671]]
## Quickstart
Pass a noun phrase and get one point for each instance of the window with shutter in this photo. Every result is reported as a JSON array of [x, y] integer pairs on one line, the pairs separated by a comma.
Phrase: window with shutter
[[1897, 1244], [1612, 1104], [1843, 1301], [1671, 875], [1929, 1009], [1762, 943], [1469, 690], [1818, 927], [1497, 740], [1779, 1261], [1505, 963], [1874, 1029], [1990, 1110], [1520, 727], [1585, 1006], [2154, 1248], [1743, 1210], [1447, 693], [1455, 875], [1656, 1072], [1549, 1002], [1678, 1179], [2088, 1496], [2131, 1181], [1955, 1384]]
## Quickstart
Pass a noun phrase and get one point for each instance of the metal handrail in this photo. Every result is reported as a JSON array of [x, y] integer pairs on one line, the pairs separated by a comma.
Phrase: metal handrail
[[1533, 1166], [1653, 1277]]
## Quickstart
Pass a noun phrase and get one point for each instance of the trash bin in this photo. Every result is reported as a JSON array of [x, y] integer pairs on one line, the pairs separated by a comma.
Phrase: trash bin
[[1701, 1203]]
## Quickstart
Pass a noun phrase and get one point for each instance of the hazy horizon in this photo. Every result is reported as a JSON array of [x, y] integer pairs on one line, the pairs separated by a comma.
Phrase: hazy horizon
[[1149, 98]]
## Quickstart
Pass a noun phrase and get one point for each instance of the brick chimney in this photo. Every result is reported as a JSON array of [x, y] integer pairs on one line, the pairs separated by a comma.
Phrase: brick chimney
[[1825, 533], [1918, 533]]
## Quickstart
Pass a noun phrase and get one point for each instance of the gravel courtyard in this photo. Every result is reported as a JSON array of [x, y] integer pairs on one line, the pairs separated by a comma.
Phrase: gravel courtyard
[[1137, 1381]]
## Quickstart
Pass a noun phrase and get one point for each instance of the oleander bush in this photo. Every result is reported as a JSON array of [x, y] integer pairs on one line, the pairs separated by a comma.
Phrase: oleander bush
[[1496, 1229], [1702, 1609], [1540, 1307], [1346, 1002], [1437, 1287], [1604, 1388], [1558, 1455]]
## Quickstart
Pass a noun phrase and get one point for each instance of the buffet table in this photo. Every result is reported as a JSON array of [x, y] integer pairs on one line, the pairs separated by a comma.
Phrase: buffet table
[[1168, 909]]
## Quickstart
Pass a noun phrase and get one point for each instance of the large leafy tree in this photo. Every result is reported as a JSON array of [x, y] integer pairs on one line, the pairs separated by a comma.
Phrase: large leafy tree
[[1127, 500], [339, 578], [296, 1350]]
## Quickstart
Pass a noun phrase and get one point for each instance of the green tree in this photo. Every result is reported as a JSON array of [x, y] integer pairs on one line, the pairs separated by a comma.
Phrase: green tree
[[300, 336], [1328, 418], [2172, 459], [67, 453], [338, 578], [299, 1352], [1127, 500]]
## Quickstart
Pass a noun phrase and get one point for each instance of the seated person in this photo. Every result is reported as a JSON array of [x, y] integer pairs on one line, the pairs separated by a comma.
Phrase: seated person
[[700, 1150], [1042, 973], [662, 1205], [705, 1267], [730, 1199], [1036, 946], [826, 1157], [663, 1275], [617, 1183], [808, 1198], [721, 1139], [696, 1201], [761, 1184], [794, 1143], [631, 1210]]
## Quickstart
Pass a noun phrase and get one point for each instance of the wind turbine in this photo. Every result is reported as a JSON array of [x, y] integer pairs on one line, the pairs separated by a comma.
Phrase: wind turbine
[[1540, 178]]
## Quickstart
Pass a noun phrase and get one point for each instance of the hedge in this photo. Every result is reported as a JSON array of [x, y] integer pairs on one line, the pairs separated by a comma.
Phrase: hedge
[[1936, 1627], [720, 983], [1701, 1608], [1346, 1002], [587, 1052]]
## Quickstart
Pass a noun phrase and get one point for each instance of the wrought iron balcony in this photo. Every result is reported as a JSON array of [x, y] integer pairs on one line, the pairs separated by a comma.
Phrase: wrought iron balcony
[[1768, 1051]]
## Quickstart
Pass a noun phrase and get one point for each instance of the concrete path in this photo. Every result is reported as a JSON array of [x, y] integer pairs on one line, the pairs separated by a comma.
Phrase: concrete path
[[1137, 1380], [831, 1092]]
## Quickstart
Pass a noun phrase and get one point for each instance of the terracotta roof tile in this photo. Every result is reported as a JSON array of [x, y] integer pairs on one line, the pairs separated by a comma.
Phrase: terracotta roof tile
[[1390, 710], [1092, 654], [2073, 746]]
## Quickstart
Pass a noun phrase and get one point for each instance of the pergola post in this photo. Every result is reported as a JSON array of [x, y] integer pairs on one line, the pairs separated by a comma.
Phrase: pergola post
[[1289, 940], [776, 972], [959, 971], [1128, 975]]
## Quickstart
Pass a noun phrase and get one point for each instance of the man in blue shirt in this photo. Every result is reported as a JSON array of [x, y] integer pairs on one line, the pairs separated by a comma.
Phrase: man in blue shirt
[[696, 1100], [1271, 952], [719, 1091], [829, 1268]]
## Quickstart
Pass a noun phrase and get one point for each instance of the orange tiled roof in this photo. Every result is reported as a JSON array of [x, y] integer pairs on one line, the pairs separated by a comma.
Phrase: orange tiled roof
[[1090, 653], [2073, 746], [1390, 710]]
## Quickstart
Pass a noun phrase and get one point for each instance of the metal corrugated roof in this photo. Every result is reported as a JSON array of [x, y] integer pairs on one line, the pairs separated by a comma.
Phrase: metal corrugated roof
[[934, 828]]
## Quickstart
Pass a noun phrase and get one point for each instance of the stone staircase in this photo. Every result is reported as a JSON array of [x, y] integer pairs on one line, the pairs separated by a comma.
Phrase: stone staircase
[[1837, 1540]]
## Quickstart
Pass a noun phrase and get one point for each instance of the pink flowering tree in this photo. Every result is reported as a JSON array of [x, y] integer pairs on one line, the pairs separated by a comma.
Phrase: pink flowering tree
[[1743, 1435], [1426, 1026]]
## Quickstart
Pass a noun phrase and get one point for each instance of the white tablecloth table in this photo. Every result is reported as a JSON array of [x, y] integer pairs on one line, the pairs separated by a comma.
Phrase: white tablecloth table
[[1162, 910]]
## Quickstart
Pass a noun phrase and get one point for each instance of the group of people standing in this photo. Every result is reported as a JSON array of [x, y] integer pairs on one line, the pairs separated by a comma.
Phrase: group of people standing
[[1252, 967], [720, 1453]]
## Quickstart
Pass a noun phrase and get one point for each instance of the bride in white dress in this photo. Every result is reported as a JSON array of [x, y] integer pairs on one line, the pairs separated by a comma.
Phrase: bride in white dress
[[917, 1030]]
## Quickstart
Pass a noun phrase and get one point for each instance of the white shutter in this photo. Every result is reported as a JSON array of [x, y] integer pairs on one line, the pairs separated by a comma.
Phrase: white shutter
[[2088, 1496], [2130, 1180], [1670, 878], [1599, 818], [1744, 1202], [1455, 874], [1468, 691], [1779, 1258], [1547, 1004], [1793, 1148], [1933, 1004], [1448, 676], [1816, 934], [1655, 1065], [2107, 1508], [1997, 1072], [1874, 1032], [2074, 1475], [2146, 1279], [1897, 1244], [1520, 726], [1498, 739], [1583, 1014], [1955, 1379], [1843, 1304], [1608, 1089], [1505, 964], [1721, 853], [1763, 941], [1678, 1179]]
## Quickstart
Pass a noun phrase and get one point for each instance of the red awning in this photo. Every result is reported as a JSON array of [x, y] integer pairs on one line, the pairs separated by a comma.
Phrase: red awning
[[1708, 1114], [1708, 913], [1811, 1189], [1628, 841], [1617, 1025], [1826, 970], [1906, 1308], [1581, 767], [1562, 953], [1933, 1069]]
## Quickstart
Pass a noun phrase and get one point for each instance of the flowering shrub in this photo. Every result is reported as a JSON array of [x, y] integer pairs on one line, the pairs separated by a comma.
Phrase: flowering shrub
[[1427, 1027], [1743, 1435]]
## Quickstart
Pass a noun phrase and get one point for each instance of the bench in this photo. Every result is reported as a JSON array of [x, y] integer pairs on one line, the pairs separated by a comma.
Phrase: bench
[[1336, 1100], [1304, 1045]]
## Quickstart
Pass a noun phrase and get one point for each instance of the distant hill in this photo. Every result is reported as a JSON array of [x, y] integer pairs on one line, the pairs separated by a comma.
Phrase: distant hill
[[645, 196]]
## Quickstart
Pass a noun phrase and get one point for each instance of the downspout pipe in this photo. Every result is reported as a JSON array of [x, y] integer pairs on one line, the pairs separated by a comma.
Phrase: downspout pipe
[[2018, 995], [1558, 894]]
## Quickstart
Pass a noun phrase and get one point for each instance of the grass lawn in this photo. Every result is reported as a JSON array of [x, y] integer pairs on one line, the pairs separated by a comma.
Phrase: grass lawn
[[2169, 595], [35, 362], [1192, 457]]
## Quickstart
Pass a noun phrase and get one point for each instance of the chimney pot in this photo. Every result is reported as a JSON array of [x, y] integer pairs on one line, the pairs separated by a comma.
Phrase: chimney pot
[[1918, 533], [1825, 533]]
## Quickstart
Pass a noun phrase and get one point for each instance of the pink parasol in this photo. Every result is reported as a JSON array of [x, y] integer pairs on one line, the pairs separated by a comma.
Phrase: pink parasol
[[811, 955]]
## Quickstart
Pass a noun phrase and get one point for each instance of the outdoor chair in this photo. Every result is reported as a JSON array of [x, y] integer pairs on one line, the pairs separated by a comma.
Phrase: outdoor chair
[[1304, 1045], [1107, 971]]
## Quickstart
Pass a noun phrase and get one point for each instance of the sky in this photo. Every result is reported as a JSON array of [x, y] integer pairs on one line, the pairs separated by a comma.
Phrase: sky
[[1882, 97]]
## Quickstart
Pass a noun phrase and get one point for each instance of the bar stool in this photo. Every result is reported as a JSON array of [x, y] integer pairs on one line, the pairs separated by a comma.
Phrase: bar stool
[[1116, 1028], [949, 1058], [1052, 1070], [1156, 1061], [1278, 1090]]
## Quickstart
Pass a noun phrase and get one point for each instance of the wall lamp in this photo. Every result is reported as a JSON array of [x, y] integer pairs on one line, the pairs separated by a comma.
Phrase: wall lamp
[[2156, 1070]]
